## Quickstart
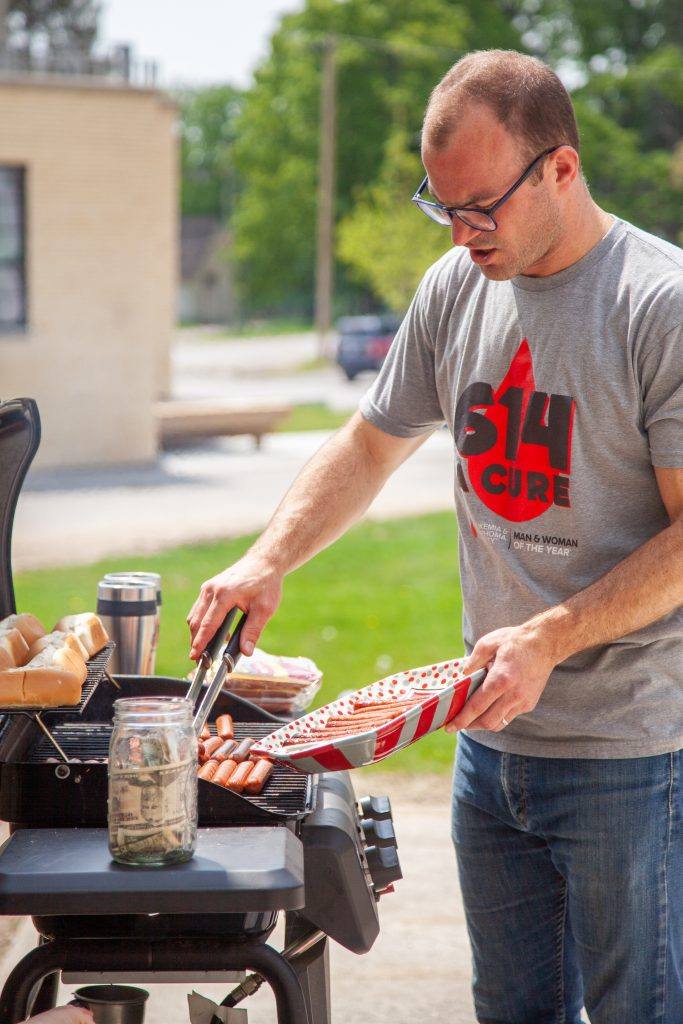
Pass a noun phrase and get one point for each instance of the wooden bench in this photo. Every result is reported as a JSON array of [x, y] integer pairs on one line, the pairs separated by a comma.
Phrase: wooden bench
[[183, 421]]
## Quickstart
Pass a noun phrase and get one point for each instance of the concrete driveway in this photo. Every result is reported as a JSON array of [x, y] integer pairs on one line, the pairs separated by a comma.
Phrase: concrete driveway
[[265, 369]]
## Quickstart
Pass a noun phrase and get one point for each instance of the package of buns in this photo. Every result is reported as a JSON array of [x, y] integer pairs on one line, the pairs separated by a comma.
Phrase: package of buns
[[53, 677], [39, 669]]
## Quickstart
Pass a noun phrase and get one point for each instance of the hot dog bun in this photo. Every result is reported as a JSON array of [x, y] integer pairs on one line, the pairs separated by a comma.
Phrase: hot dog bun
[[45, 687], [88, 628], [28, 625], [12, 687], [58, 638], [13, 644], [59, 659], [51, 687]]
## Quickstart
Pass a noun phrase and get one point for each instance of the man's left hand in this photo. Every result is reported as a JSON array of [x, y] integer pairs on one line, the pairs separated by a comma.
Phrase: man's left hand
[[519, 663]]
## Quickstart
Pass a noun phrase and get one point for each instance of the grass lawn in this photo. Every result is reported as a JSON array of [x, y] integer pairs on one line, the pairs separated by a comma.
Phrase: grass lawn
[[315, 416], [383, 598]]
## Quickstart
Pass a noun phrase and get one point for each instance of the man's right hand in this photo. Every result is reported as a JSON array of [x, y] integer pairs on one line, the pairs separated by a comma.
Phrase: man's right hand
[[250, 584], [63, 1015]]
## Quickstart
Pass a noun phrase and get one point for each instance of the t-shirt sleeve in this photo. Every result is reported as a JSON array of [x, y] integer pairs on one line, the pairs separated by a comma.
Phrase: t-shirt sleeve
[[404, 400], [662, 396]]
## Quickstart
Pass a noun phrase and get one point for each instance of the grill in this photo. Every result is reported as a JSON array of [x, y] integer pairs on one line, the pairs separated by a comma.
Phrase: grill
[[302, 847], [286, 796]]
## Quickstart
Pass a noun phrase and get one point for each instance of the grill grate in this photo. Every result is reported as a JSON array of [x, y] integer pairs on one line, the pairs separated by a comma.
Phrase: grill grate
[[287, 792]]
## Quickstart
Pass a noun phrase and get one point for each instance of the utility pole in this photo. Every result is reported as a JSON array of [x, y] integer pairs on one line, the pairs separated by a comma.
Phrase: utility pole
[[324, 282], [4, 13]]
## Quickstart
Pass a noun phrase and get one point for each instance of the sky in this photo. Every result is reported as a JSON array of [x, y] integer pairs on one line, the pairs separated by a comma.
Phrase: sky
[[198, 42]]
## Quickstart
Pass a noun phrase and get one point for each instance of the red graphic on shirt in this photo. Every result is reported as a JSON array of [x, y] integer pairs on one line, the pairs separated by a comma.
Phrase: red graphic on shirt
[[516, 442]]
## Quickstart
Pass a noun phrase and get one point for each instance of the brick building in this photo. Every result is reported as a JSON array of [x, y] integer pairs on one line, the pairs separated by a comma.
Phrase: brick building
[[88, 255]]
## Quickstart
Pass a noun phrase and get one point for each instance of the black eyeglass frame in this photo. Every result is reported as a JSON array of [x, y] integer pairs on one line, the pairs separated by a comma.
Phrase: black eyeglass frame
[[457, 211]]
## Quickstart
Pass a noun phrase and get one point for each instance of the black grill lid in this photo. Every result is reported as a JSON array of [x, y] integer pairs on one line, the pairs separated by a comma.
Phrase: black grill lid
[[19, 440]]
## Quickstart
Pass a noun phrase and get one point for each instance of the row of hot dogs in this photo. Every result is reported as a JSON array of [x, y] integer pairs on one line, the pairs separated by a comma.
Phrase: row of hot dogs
[[228, 762], [361, 716]]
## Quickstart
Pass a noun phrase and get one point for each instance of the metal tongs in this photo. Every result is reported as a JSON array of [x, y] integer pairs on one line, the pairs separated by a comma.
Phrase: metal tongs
[[223, 647]]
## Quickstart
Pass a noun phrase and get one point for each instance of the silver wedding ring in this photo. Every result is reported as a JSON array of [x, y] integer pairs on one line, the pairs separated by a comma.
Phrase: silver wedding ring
[[504, 721]]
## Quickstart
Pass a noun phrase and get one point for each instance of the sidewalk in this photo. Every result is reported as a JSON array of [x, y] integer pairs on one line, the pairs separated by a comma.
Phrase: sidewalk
[[419, 968], [224, 489]]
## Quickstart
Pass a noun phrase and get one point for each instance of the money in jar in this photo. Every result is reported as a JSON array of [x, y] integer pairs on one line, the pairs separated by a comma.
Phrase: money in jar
[[152, 812]]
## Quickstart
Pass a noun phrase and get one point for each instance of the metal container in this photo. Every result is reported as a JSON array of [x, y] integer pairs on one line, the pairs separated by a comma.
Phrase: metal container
[[129, 612], [113, 1004], [134, 576]]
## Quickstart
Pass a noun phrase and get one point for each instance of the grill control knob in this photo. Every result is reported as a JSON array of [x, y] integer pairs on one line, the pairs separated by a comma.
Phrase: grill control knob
[[378, 833], [377, 807], [384, 865]]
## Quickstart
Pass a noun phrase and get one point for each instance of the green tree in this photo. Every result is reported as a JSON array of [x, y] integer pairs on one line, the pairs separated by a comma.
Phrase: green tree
[[208, 131], [384, 240], [624, 59], [390, 55]]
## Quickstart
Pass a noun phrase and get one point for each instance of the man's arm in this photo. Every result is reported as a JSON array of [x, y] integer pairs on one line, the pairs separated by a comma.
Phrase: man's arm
[[640, 589], [331, 492]]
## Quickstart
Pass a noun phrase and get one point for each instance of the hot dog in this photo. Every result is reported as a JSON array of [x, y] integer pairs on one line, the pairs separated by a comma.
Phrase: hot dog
[[224, 727], [211, 745], [224, 772], [239, 777], [205, 733], [225, 751], [241, 752], [259, 775], [208, 770]]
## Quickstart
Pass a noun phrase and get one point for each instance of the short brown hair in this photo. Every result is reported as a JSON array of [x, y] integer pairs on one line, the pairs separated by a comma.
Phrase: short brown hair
[[525, 95]]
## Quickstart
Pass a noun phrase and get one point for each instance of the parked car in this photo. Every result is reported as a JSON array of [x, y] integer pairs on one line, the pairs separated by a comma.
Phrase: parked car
[[364, 342]]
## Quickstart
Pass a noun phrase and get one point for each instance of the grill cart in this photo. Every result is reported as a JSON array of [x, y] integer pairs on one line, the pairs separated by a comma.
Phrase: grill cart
[[302, 847]]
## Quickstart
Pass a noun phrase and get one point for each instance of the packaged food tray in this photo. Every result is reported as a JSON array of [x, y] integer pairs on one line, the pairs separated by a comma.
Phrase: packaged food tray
[[369, 724]]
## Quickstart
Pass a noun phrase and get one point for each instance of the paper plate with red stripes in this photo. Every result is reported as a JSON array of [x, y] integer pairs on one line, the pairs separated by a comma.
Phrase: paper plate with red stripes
[[344, 734]]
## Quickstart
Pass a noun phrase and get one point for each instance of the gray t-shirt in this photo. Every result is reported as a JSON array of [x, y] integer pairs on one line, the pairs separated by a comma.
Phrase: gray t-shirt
[[561, 393]]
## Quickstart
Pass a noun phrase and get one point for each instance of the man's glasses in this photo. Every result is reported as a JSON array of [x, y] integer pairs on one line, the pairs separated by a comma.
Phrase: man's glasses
[[478, 217]]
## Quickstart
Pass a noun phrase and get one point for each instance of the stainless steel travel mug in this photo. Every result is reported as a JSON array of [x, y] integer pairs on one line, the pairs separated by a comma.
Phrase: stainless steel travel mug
[[142, 577], [128, 610]]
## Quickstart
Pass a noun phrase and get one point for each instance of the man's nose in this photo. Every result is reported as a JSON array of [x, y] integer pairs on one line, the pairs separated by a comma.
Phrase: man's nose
[[461, 234]]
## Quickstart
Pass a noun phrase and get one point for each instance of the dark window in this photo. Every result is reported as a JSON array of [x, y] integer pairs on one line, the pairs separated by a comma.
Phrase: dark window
[[12, 249]]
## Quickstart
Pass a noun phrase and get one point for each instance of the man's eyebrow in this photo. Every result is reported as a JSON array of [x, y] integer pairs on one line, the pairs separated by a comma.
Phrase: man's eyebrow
[[461, 206]]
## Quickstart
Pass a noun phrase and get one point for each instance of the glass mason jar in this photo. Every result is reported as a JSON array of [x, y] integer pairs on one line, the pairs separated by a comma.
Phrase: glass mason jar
[[152, 781]]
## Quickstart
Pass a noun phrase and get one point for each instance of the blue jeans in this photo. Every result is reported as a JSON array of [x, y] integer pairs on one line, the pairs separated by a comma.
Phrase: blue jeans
[[572, 878]]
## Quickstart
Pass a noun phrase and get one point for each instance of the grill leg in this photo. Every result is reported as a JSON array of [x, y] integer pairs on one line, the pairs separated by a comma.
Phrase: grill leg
[[47, 991], [312, 969], [46, 994], [213, 953], [15, 1001]]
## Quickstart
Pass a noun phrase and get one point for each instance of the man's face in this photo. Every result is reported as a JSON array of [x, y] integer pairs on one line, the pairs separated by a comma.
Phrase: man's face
[[479, 164]]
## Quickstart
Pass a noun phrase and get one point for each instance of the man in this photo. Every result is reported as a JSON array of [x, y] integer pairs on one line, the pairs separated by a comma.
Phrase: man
[[550, 340]]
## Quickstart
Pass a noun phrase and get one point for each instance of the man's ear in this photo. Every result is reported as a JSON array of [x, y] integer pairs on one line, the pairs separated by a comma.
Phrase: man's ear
[[565, 168]]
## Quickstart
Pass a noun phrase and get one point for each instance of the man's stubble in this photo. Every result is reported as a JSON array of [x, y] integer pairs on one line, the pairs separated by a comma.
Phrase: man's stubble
[[541, 237]]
